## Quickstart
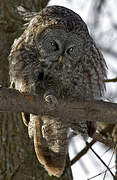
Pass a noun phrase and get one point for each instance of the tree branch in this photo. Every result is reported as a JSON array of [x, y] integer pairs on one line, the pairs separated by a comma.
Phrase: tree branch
[[69, 110], [82, 152], [111, 80], [96, 138]]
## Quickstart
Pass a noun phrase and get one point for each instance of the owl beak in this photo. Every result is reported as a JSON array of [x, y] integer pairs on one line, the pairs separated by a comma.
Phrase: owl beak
[[60, 59]]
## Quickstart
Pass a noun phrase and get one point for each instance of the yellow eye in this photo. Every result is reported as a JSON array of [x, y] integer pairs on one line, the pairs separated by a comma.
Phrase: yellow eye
[[71, 49], [52, 43]]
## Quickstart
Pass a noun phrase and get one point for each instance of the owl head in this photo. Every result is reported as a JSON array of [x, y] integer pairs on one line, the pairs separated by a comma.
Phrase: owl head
[[57, 44], [59, 36]]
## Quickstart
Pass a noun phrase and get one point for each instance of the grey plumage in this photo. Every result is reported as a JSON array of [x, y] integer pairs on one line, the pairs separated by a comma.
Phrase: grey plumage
[[56, 55]]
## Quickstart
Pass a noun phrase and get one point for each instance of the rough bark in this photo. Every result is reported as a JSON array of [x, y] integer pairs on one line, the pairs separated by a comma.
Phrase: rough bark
[[71, 111], [17, 157]]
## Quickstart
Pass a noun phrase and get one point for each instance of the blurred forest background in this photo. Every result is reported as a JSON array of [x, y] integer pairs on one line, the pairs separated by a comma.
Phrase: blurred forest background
[[17, 157]]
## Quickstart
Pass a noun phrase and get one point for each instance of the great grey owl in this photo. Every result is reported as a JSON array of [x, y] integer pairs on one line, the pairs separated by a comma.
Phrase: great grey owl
[[56, 56]]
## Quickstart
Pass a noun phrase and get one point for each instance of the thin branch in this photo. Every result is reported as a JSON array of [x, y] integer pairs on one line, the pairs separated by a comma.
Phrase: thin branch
[[100, 138], [111, 80], [102, 162], [99, 174], [116, 161], [82, 152], [108, 165], [106, 152], [97, 137]]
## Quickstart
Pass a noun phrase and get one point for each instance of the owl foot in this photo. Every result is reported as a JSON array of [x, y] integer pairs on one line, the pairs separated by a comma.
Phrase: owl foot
[[51, 100]]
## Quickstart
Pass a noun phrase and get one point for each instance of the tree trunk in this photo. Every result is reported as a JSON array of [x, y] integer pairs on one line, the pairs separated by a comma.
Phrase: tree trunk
[[17, 157]]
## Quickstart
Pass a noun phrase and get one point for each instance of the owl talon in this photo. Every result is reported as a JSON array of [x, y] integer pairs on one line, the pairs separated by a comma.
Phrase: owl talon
[[51, 99]]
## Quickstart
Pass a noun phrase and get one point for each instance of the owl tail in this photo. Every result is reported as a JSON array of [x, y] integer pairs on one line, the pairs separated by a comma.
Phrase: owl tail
[[50, 142]]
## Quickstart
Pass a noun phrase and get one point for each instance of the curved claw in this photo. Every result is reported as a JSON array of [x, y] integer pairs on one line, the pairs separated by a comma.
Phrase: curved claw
[[51, 99]]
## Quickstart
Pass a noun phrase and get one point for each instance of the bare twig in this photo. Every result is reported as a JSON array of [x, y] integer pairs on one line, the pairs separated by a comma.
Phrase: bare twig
[[111, 80], [82, 152], [102, 162], [99, 174], [108, 142], [97, 137], [108, 165]]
